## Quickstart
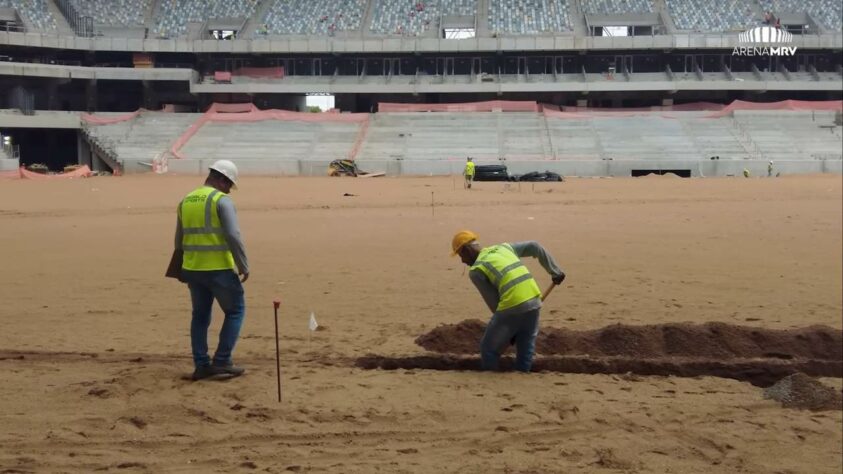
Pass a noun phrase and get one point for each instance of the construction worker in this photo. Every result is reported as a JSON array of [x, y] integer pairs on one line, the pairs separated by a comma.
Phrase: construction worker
[[468, 172], [770, 169], [208, 234], [509, 291]]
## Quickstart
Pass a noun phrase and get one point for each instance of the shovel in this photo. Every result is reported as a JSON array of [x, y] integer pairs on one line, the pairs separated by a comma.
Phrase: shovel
[[545, 294]]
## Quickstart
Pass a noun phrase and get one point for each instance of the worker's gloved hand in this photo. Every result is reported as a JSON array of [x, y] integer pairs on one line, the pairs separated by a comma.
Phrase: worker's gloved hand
[[558, 279]]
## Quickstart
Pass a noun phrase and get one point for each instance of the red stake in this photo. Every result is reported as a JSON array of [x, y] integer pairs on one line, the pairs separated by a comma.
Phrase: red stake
[[276, 305]]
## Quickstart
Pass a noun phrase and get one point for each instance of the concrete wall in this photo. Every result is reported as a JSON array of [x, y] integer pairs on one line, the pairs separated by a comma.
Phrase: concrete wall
[[9, 164], [589, 168], [313, 44]]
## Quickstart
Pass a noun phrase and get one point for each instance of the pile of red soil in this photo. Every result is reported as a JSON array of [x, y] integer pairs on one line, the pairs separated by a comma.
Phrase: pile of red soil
[[710, 341], [805, 393]]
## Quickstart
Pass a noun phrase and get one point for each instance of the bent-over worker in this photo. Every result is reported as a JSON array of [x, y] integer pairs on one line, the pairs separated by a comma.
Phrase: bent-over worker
[[510, 292]]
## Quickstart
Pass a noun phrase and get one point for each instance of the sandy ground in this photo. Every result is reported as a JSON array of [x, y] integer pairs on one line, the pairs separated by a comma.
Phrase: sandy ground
[[95, 341]]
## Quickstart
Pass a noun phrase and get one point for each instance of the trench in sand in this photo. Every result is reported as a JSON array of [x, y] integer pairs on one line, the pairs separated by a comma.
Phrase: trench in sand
[[756, 355]]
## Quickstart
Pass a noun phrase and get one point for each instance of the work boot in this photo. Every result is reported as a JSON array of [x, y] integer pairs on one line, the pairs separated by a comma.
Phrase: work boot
[[227, 369], [203, 372]]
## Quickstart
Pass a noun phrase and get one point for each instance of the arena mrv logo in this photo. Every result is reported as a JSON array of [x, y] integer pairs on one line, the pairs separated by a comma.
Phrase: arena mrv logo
[[764, 41]]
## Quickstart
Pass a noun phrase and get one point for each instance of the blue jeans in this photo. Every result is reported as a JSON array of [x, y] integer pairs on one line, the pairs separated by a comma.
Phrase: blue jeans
[[225, 287], [501, 329]]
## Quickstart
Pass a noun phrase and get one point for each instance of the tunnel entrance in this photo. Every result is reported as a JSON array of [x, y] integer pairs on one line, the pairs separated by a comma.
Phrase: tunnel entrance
[[680, 173]]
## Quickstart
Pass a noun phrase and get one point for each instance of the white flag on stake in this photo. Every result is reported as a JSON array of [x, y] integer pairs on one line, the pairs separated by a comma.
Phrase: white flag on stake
[[312, 325]]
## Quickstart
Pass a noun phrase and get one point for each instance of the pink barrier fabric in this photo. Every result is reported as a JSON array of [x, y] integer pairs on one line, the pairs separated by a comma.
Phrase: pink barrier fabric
[[222, 76], [267, 72], [98, 120], [692, 107], [718, 110], [14, 174], [232, 108], [488, 106], [248, 112], [82, 172], [783, 105], [358, 142]]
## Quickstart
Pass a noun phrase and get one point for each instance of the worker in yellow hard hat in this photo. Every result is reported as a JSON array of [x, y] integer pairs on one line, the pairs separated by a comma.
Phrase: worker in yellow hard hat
[[510, 292], [468, 172]]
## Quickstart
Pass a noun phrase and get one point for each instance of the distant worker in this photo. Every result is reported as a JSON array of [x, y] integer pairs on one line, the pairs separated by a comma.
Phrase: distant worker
[[468, 172], [770, 169], [208, 234], [509, 291]]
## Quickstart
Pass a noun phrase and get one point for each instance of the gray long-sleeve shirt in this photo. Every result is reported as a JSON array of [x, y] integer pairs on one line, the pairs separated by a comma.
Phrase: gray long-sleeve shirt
[[489, 291], [230, 229]]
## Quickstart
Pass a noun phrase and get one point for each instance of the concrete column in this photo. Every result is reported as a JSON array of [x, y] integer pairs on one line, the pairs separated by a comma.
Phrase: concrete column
[[91, 95], [150, 99], [83, 150], [52, 95], [667, 102]]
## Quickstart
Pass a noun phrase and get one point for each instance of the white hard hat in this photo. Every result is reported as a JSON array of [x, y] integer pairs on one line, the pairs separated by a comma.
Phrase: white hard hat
[[227, 169]]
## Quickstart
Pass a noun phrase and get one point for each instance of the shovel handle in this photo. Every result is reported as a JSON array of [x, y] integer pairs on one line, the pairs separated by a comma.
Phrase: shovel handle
[[547, 291]]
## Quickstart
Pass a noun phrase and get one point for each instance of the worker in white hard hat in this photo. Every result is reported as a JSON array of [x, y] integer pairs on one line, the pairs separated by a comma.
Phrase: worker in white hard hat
[[208, 235]]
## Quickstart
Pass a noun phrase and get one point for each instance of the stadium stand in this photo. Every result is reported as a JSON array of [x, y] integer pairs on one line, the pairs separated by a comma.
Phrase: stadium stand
[[113, 12], [616, 6], [529, 16], [312, 17], [712, 15], [791, 135], [144, 137], [272, 141], [35, 12], [414, 18], [173, 15], [828, 13]]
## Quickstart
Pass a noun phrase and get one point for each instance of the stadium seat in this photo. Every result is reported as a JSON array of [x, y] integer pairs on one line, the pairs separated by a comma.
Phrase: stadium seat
[[414, 18], [173, 15], [523, 17], [825, 12], [113, 12], [33, 11], [608, 7], [712, 15], [312, 17]]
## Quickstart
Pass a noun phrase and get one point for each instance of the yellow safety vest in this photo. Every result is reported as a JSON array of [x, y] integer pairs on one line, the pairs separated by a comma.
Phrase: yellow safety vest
[[507, 272], [203, 242], [469, 168]]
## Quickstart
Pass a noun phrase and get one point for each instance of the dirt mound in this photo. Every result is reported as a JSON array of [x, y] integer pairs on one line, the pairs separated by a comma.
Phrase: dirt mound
[[711, 341], [803, 392]]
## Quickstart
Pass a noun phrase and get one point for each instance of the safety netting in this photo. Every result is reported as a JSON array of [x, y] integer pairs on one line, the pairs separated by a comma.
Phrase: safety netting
[[782, 105], [23, 173], [487, 106], [248, 112], [677, 111], [91, 119]]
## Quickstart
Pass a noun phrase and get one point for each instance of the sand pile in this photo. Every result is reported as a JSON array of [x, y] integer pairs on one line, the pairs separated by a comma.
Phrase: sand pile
[[806, 393], [712, 341]]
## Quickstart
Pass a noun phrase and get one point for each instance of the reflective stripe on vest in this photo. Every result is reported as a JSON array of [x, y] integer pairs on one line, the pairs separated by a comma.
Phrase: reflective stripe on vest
[[203, 240], [507, 272]]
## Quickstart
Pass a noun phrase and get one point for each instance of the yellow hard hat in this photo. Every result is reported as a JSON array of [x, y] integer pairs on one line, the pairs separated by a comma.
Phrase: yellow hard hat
[[461, 238]]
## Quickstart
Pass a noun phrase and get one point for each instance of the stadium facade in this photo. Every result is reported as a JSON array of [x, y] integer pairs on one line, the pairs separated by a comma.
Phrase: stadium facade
[[59, 58]]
